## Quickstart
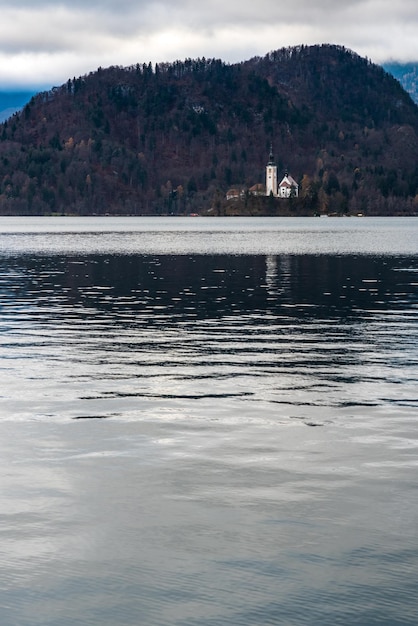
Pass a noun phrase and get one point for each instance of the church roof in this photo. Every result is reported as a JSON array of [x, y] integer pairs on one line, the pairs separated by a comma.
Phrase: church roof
[[288, 181]]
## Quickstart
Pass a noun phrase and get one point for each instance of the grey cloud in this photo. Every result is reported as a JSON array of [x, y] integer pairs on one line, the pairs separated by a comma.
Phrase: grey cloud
[[133, 16], [75, 36]]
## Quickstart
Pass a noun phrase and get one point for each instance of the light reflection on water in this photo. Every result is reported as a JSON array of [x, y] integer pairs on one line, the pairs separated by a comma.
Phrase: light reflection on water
[[207, 439]]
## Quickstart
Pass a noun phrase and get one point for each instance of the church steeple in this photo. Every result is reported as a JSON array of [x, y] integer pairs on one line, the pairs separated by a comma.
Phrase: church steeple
[[271, 175], [271, 156]]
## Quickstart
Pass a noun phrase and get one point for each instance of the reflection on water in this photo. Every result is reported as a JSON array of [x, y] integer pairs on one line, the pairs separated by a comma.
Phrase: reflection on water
[[301, 332], [214, 439]]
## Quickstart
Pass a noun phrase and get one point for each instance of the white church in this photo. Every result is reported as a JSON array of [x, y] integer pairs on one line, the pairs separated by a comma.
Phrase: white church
[[287, 187]]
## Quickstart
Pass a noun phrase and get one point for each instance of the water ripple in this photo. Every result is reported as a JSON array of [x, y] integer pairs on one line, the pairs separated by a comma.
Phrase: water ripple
[[207, 439]]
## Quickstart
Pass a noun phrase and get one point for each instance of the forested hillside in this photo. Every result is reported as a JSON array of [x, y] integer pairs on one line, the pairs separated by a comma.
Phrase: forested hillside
[[175, 137]]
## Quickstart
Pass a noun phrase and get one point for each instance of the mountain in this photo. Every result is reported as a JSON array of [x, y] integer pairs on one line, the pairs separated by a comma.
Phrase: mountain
[[407, 75], [175, 137], [13, 101]]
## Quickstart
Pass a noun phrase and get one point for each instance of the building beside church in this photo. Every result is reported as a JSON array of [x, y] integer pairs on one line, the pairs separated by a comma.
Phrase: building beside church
[[287, 187], [257, 190]]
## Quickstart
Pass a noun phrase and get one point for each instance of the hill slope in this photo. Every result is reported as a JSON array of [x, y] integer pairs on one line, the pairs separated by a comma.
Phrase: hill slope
[[175, 137]]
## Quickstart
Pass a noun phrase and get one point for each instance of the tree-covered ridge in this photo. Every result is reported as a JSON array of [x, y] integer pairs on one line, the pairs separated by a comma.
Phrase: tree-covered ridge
[[174, 137]]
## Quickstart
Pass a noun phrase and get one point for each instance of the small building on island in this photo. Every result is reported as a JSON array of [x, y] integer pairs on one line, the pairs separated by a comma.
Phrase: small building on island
[[287, 188], [257, 190], [235, 194]]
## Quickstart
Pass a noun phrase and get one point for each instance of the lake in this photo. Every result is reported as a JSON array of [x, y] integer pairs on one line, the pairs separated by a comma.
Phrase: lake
[[208, 421]]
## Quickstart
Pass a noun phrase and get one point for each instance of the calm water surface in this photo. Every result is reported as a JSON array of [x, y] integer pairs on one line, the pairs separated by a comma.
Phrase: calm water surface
[[208, 421]]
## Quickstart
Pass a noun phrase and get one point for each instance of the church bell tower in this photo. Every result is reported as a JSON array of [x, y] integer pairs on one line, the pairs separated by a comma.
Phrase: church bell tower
[[271, 175]]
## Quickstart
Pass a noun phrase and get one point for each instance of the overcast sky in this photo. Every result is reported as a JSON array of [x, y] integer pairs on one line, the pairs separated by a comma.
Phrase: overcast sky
[[45, 42]]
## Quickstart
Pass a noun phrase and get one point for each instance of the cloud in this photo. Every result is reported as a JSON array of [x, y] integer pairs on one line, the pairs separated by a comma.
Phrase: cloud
[[44, 43]]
